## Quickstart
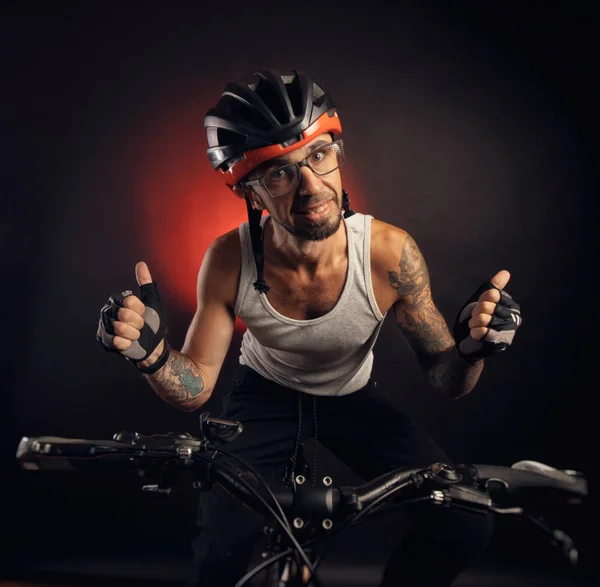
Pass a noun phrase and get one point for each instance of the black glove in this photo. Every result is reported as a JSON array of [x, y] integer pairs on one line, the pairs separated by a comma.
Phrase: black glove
[[501, 330], [153, 331]]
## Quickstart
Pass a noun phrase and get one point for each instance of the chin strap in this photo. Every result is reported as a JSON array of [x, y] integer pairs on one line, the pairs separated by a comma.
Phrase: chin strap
[[346, 205], [256, 237]]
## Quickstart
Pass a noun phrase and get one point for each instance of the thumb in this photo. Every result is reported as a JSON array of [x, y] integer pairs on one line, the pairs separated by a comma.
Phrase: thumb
[[142, 273], [499, 280]]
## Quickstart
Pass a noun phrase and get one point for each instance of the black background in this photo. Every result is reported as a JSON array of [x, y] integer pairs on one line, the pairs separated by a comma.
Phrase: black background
[[474, 127]]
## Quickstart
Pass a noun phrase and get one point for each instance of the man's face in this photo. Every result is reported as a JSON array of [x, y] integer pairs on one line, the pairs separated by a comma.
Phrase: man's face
[[313, 210]]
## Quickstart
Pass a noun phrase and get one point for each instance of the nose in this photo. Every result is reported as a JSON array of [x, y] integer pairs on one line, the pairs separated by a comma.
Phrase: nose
[[310, 183]]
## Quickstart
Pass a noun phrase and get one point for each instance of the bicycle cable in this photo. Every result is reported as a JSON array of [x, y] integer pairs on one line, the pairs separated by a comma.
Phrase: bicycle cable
[[258, 477], [290, 535], [258, 568]]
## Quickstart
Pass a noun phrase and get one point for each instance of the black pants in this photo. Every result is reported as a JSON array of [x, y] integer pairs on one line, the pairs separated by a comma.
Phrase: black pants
[[370, 435]]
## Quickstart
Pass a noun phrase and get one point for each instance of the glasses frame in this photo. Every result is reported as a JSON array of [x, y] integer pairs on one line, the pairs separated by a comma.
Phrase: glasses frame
[[304, 163]]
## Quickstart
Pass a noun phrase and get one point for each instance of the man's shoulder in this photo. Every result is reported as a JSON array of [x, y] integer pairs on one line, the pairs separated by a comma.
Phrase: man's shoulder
[[387, 240], [224, 252], [220, 270]]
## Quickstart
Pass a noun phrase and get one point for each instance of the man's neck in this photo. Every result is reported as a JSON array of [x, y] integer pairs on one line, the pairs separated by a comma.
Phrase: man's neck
[[301, 254]]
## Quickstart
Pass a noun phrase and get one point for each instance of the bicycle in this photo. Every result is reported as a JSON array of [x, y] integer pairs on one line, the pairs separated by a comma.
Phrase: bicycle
[[301, 517]]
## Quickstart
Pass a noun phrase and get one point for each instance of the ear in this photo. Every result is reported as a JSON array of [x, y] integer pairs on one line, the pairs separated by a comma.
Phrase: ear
[[245, 192], [256, 201]]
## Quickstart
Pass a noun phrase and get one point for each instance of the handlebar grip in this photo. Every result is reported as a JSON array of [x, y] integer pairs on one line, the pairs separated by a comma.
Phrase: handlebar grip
[[53, 453], [519, 481]]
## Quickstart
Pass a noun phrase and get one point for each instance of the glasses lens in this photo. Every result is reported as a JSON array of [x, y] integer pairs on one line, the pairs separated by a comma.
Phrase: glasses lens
[[282, 180], [286, 179], [326, 159]]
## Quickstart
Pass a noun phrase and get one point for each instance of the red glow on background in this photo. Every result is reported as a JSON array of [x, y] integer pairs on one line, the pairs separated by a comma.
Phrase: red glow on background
[[183, 203]]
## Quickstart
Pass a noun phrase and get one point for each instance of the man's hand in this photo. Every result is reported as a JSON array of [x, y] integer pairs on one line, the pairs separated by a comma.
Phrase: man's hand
[[487, 323], [486, 305], [134, 326]]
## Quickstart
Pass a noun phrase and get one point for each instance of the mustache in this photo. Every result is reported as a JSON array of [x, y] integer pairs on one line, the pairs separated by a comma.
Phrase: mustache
[[315, 202]]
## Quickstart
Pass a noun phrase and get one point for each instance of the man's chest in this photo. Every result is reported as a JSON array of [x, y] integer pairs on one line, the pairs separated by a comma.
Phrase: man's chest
[[307, 299], [301, 297]]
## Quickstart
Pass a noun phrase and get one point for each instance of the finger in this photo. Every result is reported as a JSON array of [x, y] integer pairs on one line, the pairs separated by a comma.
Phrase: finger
[[126, 331], [135, 304], [478, 333], [130, 317], [121, 344], [480, 320], [142, 273], [490, 295], [483, 308], [500, 279]]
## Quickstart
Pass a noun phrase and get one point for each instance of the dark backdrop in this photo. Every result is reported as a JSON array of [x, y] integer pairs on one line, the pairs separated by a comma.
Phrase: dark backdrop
[[472, 127]]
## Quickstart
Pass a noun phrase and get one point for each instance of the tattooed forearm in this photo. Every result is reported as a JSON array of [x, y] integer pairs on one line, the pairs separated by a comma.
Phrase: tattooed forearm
[[179, 382], [453, 375], [424, 327]]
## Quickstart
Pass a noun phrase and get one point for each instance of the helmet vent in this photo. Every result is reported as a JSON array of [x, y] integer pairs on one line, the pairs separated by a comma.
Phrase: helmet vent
[[318, 95], [228, 137], [244, 112], [294, 91], [270, 96]]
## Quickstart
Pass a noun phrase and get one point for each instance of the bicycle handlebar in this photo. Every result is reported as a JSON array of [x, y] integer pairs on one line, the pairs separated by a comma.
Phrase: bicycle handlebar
[[481, 486]]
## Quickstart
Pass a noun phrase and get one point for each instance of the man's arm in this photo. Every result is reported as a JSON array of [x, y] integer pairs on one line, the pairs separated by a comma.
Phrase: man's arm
[[424, 327], [188, 377]]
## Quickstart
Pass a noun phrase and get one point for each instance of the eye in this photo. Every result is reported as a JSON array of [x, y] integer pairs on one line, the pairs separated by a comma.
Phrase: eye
[[319, 155]]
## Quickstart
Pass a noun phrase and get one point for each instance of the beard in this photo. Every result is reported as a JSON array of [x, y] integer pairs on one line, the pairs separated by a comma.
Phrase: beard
[[320, 229]]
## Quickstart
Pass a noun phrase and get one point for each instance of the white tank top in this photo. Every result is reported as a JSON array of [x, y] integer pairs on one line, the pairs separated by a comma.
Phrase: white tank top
[[329, 355]]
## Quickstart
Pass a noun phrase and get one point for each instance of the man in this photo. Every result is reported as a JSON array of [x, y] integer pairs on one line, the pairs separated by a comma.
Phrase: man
[[312, 281]]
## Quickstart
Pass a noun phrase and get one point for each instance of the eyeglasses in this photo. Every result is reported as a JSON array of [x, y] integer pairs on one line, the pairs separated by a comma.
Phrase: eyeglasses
[[286, 179]]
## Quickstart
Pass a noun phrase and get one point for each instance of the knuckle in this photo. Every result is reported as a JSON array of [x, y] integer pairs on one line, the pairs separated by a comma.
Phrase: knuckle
[[492, 295], [121, 344], [131, 317], [479, 321], [132, 302], [126, 331], [478, 333], [119, 328]]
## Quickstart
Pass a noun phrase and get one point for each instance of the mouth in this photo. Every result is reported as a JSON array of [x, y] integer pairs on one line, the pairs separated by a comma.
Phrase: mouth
[[315, 213]]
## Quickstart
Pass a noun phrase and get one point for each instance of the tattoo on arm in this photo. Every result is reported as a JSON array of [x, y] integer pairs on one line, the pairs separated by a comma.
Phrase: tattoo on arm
[[180, 380], [422, 324], [425, 328]]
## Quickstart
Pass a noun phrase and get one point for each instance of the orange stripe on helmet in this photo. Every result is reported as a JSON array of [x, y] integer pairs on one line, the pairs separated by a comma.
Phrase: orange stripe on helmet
[[327, 122]]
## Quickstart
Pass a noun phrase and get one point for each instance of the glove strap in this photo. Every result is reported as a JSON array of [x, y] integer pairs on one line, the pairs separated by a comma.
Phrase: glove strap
[[164, 356]]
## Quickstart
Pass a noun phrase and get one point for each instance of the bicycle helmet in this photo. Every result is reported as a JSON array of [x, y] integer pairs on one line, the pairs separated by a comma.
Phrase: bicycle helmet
[[257, 120], [266, 117]]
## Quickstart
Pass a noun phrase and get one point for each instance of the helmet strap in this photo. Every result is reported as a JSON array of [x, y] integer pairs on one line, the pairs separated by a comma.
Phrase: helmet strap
[[346, 205], [256, 237]]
